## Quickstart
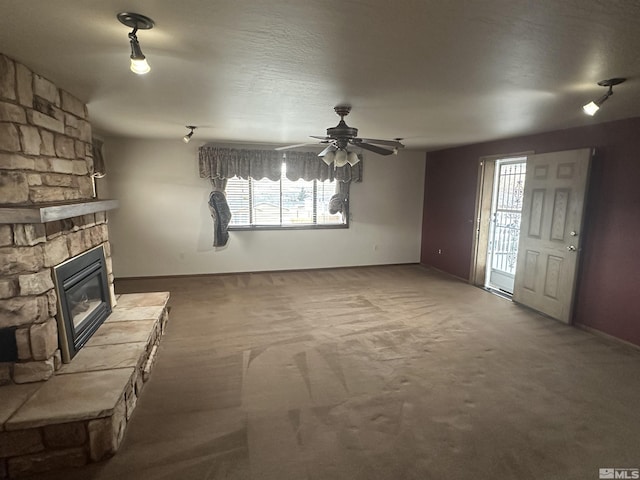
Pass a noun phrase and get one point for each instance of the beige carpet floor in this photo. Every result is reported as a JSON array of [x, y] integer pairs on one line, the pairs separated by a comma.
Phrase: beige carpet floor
[[371, 373]]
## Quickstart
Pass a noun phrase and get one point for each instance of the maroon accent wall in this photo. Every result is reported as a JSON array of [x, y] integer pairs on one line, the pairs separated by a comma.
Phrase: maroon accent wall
[[608, 292]]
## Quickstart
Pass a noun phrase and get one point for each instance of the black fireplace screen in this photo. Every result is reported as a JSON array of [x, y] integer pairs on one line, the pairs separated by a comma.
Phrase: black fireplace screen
[[83, 299]]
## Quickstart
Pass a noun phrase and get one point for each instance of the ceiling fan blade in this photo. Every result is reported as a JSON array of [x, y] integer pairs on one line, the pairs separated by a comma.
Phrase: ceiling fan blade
[[294, 146], [330, 148], [390, 143], [373, 148], [320, 138]]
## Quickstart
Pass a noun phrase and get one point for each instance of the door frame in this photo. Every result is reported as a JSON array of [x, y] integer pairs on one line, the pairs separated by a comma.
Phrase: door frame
[[482, 218]]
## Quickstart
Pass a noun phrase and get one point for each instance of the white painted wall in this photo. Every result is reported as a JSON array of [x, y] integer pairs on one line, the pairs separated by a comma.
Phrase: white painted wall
[[163, 225]]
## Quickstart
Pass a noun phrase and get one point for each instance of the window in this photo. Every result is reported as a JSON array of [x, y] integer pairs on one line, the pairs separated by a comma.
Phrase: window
[[281, 204]]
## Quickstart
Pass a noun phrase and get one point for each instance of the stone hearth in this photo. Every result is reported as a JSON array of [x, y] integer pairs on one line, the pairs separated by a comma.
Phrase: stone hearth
[[80, 415]]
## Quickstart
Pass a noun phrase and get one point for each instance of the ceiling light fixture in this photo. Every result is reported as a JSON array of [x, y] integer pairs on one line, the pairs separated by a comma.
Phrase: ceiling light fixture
[[329, 157], [592, 107], [136, 21], [341, 157], [395, 149], [187, 137], [352, 158]]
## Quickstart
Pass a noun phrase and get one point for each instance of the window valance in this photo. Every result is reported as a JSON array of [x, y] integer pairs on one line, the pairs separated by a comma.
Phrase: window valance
[[225, 163]]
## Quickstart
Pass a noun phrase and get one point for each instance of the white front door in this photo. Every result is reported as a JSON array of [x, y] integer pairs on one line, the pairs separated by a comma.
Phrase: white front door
[[551, 231]]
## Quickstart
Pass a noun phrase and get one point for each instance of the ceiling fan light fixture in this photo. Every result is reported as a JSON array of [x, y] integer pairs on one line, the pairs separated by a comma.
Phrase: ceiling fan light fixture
[[328, 158], [592, 107], [352, 158], [187, 137], [139, 64], [342, 136], [341, 158]]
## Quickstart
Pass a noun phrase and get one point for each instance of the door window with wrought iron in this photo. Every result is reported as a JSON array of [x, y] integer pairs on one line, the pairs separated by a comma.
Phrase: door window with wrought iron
[[506, 213]]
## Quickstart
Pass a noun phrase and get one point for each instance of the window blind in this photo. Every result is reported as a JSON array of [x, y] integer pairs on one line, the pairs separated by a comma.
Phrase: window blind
[[283, 203]]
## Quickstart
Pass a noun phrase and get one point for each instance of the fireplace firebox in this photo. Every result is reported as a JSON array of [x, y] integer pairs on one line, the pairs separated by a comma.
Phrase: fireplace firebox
[[83, 299]]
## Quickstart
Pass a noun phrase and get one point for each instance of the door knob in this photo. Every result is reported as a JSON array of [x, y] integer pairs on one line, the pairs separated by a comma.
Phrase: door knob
[[574, 234], [571, 248]]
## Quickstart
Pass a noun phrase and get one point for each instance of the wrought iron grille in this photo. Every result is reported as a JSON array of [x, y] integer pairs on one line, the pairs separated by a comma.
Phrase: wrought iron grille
[[506, 216]]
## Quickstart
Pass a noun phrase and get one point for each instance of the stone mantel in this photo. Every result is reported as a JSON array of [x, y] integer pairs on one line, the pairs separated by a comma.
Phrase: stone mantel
[[51, 212]]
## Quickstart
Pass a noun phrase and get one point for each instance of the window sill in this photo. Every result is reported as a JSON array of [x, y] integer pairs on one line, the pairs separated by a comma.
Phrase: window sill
[[242, 228]]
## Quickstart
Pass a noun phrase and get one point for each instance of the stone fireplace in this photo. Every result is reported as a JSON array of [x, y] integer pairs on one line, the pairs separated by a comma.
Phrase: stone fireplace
[[30, 304], [48, 214], [56, 277]]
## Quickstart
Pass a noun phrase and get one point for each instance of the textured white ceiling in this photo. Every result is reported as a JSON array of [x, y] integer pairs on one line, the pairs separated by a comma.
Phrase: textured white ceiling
[[437, 73]]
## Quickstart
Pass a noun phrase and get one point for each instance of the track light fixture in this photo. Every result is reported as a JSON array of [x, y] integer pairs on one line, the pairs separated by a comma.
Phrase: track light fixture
[[136, 21], [592, 107], [187, 137]]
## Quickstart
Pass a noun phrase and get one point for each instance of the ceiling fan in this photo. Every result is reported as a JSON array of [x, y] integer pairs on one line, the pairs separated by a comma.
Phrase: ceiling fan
[[338, 138]]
